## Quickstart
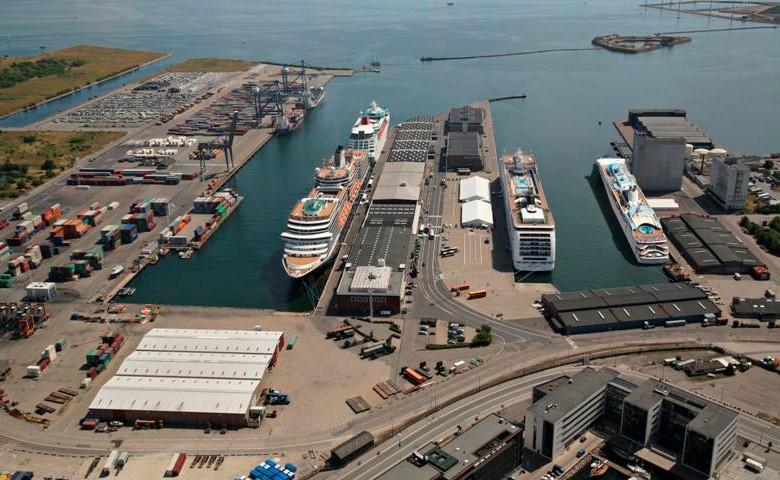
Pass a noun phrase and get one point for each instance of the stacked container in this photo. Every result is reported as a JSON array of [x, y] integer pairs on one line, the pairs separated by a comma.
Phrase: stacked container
[[62, 273], [74, 228], [34, 255], [18, 266], [161, 207], [144, 222], [128, 233], [5, 250]]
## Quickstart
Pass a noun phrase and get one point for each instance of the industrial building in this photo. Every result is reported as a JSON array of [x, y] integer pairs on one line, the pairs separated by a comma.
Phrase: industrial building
[[729, 183], [190, 377], [464, 150], [708, 246], [668, 428], [657, 139], [638, 306], [466, 119], [375, 270], [474, 188], [489, 450], [399, 182], [763, 308]]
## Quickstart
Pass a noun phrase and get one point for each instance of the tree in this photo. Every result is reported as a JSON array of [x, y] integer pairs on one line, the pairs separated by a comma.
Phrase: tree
[[48, 165], [483, 337], [769, 164]]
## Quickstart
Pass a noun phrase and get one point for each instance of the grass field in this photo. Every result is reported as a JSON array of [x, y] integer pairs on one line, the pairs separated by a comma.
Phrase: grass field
[[28, 159], [99, 63], [212, 65]]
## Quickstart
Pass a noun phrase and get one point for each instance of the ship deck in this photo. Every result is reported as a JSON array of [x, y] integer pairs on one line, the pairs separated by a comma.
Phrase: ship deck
[[529, 161]]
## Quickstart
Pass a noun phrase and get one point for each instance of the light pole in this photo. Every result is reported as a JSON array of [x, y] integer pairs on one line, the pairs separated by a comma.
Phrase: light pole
[[371, 310]]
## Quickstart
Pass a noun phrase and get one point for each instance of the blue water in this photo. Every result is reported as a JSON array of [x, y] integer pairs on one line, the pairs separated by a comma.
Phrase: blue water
[[727, 81]]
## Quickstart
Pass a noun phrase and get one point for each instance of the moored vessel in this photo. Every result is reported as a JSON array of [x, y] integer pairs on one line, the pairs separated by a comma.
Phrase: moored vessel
[[317, 221], [639, 223], [291, 119], [313, 97], [598, 468], [370, 131], [530, 222]]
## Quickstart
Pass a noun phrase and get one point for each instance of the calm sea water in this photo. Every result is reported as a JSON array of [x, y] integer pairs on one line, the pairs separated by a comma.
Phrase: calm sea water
[[727, 81]]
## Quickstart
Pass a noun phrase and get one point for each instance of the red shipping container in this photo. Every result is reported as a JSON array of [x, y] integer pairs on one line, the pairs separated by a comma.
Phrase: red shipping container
[[43, 363]]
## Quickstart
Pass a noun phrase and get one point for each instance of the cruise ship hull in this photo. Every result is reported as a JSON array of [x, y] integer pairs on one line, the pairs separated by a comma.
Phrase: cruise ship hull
[[627, 232]]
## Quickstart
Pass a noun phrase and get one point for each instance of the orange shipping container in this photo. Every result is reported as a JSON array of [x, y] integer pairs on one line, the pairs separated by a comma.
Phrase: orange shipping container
[[462, 286], [413, 376], [477, 294]]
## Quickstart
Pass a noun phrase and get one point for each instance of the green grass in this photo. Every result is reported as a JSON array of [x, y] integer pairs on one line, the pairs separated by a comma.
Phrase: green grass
[[212, 65], [81, 65], [30, 158]]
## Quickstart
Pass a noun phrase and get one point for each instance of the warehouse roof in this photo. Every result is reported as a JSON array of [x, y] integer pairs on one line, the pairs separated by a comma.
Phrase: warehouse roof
[[184, 395], [386, 234], [667, 292], [476, 213], [582, 318], [474, 188], [690, 308], [398, 186], [354, 444], [752, 307], [195, 365], [463, 144], [213, 341], [467, 114], [407, 156], [640, 313]]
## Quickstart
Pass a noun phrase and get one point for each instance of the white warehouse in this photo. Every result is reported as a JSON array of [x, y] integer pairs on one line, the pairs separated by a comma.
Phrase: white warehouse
[[190, 377], [474, 188]]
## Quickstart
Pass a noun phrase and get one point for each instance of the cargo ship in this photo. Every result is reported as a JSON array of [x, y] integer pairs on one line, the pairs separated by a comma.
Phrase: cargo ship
[[370, 131], [317, 222], [530, 222], [639, 223], [291, 119], [314, 97]]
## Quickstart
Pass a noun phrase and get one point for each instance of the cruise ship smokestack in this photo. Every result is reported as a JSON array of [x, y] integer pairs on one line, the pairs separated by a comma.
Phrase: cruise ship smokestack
[[340, 158]]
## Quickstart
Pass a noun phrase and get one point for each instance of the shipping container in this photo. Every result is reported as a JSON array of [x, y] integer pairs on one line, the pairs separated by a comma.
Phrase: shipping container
[[477, 294], [413, 376], [176, 464]]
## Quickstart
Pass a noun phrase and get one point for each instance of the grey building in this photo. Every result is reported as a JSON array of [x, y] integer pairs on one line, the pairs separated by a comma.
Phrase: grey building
[[464, 150], [657, 163], [700, 434], [657, 139], [729, 183], [692, 434], [488, 450], [565, 412]]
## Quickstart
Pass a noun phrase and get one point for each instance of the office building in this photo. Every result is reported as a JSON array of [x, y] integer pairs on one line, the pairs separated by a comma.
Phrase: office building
[[729, 183], [698, 433], [672, 430], [565, 411]]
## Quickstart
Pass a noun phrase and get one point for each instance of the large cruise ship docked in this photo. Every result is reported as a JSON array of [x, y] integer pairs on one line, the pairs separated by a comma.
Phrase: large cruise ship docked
[[530, 222], [370, 131], [639, 222], [316, 223]]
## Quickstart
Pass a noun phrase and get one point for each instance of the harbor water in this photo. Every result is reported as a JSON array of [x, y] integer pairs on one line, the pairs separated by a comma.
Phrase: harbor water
[[727, 81]]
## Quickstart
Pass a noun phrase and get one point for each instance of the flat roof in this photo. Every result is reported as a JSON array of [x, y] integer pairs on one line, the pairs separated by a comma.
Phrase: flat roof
[[195, 365], [398, 186], [621, 296], [386, 234], [182, 395], [749, 307], [368, 278], [420, 156], [690, 308], [569, 396], [466, 114], [581, 318], [710, 420], [463, 144]]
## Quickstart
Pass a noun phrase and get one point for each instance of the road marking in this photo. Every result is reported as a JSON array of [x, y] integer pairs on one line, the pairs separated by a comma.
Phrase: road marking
[[571, 343]]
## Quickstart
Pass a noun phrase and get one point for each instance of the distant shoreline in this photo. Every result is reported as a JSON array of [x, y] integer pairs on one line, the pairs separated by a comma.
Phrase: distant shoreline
[[84, 87]]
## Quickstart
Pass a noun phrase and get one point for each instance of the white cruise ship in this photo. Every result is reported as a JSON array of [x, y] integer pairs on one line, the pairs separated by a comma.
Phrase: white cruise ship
[[530, 223], [370, 131], [316, 223], [639, 222]]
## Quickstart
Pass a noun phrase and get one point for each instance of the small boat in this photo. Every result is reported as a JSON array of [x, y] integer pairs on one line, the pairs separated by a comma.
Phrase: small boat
[[375, 63], [639, 473], [598, 468], [117, 270], [154, 259], [185, 254], [126, 292], [163, 252]]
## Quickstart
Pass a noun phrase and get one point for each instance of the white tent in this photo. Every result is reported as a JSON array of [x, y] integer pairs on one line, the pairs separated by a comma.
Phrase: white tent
[[474, 188], [476, 214]]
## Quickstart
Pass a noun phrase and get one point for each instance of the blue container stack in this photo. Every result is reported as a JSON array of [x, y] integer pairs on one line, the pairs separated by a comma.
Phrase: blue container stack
[[128, 233], [270, 470]]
